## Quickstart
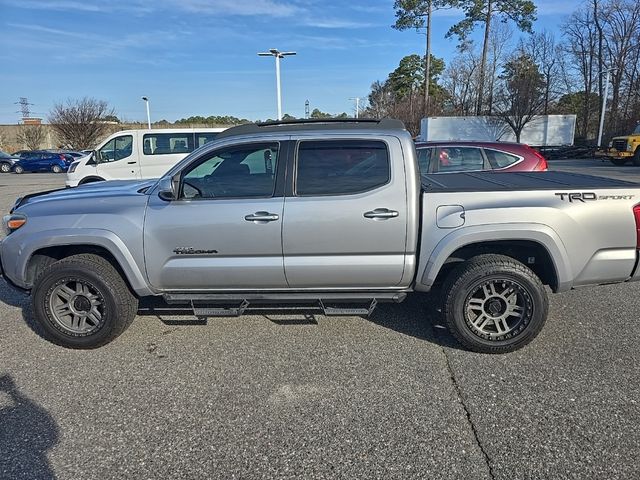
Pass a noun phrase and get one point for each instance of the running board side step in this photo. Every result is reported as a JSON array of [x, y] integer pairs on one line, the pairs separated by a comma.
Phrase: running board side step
[[234, 305]]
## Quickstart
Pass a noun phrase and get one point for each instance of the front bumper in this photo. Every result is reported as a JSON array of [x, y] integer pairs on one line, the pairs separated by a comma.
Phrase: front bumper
[[4, 276], [613, 153]]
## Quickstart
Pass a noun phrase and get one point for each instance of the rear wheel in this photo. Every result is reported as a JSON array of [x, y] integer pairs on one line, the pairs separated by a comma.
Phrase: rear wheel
[[494, 304], [56, 169], [5, 167], [83, 302], [618, 161], [18, 169]]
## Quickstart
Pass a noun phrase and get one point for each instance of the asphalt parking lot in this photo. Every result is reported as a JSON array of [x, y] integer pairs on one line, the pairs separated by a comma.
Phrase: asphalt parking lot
[[289, 396]]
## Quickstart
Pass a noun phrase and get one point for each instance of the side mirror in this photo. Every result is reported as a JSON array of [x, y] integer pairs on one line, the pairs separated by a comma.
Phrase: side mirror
[[169, 187]]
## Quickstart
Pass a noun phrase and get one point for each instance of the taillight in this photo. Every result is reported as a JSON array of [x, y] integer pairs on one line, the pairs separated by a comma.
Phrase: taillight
[[636, 214], [542, 165]]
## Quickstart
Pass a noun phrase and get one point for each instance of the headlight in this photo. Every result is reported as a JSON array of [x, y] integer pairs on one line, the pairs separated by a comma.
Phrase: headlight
[[629, 146], [13, 222], [610, 144], [73, 166]]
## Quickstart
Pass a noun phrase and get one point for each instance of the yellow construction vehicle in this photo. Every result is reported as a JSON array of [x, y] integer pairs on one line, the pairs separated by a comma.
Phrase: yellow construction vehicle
[[623, 149]]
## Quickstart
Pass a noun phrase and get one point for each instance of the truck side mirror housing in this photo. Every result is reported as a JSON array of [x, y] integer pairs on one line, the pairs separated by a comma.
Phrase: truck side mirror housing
[[169, 187]]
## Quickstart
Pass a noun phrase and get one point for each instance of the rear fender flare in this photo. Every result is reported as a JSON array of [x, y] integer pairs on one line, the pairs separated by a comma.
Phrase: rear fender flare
[[539, 233]]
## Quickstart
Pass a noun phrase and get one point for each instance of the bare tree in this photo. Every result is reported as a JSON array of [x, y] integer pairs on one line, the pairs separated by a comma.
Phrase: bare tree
[[31, 136], [520, 97], [541, 47], [80, 123]]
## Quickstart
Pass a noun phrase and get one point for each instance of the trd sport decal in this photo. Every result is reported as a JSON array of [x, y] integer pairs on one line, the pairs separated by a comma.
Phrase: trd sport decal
[[589, 196]]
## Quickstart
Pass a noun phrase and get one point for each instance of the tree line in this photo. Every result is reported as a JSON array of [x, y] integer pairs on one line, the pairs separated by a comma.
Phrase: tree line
[[515, 78]]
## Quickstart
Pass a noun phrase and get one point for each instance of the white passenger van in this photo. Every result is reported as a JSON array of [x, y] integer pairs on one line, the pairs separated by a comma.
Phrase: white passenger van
[[138, 154]]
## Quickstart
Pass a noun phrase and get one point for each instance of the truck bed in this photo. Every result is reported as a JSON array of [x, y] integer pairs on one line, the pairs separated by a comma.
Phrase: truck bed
[[517, 181]]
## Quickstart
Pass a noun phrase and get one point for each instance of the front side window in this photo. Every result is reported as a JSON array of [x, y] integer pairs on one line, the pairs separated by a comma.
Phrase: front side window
[[459, 159], [341, 167], [116, 149], [424, 159], [167, 143], [232, 172]]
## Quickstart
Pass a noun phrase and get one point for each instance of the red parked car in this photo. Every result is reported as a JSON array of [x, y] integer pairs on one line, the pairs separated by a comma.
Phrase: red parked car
[[445, 157]]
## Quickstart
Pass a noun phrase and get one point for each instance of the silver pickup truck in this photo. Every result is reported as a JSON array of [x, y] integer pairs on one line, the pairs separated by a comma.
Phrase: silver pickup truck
[[331, 216]]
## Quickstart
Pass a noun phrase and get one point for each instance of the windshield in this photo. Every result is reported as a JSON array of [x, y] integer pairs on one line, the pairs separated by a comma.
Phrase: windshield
[[637, 129], [4, 154]]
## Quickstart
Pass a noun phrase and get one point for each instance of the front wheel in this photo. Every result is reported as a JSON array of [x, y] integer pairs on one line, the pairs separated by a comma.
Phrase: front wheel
[[82, 302], [494, 304], [56, 169], [636, 157], [18, 169]]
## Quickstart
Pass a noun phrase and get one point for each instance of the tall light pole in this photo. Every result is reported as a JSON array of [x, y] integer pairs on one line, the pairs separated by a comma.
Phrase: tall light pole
[[146, 100], [274, 52], [604, 102], [357, 100]]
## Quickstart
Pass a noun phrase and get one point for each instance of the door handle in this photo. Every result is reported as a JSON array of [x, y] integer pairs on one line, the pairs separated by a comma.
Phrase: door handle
[[131, 163], [262, 217], [381, 213]]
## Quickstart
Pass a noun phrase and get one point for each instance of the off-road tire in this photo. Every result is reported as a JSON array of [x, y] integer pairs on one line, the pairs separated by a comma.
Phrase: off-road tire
[[119, 303], [56, 169], [636, 157], [5, 167], [467, 278], [18, 169], [618, 162]]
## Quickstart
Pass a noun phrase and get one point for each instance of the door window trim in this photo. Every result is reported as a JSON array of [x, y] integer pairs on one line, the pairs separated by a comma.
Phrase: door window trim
[[292, 183], [279, 177]]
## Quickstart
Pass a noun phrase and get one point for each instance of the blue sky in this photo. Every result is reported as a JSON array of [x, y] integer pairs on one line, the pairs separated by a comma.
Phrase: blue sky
[[198, 57]]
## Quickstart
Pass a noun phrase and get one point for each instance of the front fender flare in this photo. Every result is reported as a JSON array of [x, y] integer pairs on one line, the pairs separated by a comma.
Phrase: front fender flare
[[93, 237]]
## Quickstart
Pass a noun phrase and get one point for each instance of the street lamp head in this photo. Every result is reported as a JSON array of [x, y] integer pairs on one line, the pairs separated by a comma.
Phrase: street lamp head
[[146, 99]]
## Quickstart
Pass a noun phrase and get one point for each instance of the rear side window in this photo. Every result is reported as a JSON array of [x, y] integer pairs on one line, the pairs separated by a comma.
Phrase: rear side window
[[206, 137], [459, 159], [167, 143], [499, 159], [341, 167]]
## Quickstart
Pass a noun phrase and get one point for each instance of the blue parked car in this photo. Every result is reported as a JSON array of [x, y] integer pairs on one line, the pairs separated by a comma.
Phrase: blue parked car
[[42, 161], [7, 162]]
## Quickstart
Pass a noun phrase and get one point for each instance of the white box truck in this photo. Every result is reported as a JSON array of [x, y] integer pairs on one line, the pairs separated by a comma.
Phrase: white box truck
[[543, 131]]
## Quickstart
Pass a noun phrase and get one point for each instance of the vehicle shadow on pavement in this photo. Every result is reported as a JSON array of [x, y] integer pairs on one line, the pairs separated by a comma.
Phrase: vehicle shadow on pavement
[[419, 317], [11, 296], [27, 432]]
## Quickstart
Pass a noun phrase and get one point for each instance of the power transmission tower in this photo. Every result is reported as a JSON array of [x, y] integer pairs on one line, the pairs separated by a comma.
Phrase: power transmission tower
[[24, 107]]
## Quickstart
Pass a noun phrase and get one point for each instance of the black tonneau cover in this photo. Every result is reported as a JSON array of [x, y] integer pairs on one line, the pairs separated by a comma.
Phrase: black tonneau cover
[[492, 181]]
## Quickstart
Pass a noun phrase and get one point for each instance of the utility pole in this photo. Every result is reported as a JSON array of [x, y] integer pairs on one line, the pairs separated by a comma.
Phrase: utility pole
[[357, 100], [274, 52], [427, 66], [604, 102], [306, 109]]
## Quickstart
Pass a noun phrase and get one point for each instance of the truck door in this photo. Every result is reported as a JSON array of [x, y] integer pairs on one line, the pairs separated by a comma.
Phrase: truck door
[[346, 215], [118, 159], [225, 230]]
